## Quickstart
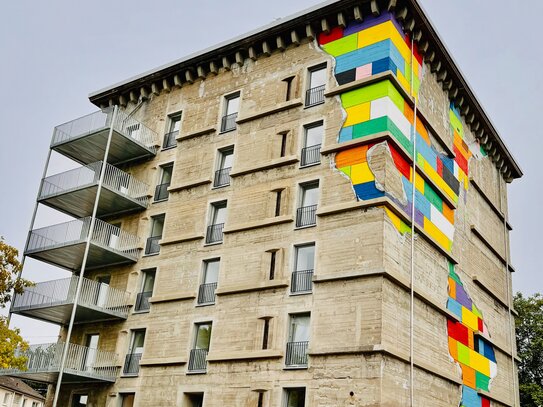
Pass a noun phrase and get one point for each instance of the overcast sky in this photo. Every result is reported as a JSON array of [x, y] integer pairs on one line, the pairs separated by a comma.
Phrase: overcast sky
[[55, 52]]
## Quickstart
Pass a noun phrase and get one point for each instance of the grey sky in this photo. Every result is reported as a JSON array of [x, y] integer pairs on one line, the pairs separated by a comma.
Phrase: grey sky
[[55, 53]]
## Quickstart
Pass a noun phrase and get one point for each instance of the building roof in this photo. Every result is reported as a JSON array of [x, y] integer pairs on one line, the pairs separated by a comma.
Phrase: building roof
[[18, 386], [308, 23]]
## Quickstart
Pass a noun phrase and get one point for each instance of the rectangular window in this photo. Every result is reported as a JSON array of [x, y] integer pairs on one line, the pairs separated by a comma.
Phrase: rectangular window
[[260, 402], [127, 399], [198, 354], [194, 399], [146, 290], [278, 195], [284, 144], [216, 225], [161, 190], [306, 214], [311, 152], [92, 348], [302, 275], [298, 340], [224, 166], [231, 109], [266, 333], [317, 84], [79, 400], [133, 357], [155, 234], [273, 258], [173, 131], [295, 397], [206, 293], [289, 91]]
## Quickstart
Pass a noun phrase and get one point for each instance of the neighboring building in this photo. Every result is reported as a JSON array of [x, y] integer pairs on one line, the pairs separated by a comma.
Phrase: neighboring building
[[16, 393], [252, 244]]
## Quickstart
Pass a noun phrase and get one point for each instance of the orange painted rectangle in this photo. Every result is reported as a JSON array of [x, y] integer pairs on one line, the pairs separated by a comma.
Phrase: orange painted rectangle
[[452, 288], [453, 350], [448, 212], [352, 156], [468, 376]]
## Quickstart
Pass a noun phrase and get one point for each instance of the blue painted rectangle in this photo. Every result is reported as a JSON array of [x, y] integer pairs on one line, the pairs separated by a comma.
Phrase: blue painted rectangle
[[363, 56], [455, 308], [367, 190], [346, 134]]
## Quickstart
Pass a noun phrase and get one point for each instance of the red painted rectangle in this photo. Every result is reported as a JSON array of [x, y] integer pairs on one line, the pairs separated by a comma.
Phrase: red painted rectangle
[[335, 34]]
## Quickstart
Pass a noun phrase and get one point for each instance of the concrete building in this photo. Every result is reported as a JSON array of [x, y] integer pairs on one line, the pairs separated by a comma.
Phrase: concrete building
[[16, 393], [312, 214]]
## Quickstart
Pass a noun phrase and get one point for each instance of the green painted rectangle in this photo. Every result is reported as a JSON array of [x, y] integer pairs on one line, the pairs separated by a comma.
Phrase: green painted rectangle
[[342, 46], [365, 94], [370, 127], [481, 381], [433, 197]]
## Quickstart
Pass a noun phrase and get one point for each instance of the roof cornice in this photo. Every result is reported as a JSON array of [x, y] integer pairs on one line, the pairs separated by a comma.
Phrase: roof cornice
[[307, 24]]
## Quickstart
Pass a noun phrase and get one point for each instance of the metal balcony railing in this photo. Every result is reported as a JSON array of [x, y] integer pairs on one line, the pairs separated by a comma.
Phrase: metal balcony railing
[[93, 295], [44, 361], [228, 122], [302, 281], [170, 139], [76, 231], [161, 192], [296, 354], [152, 246], [103, 119], [142, 301], [314, 96], [206, 293], [198, 360], [214, 233], [132, 364], [88, 175], [311, 155], [306, 216], [222, 177]]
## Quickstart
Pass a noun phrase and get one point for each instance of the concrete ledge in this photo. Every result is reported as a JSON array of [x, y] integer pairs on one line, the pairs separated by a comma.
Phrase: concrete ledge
[[278, 162], [281, 107], [250, 287], [196, 133], [162, 361], [487, 199], [182, 296], [180, 239], [189, 185], [259, 224], [487, 290], [475, 230], [493, 398], [244, 355]]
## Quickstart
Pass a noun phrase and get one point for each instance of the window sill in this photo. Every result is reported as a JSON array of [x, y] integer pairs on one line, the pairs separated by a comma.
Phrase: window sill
[[295, 367], [204, 304], [244, 355], [190, 185], [159, 201], [220, 186], [196, 372], [245, 288], [196, 133], [313, 105], [168, 148], [172, 297], [150, 254], [227, 131], [305, 227], [276, 220], [290, 104], [128, 376], [180, 239], [310, 165], [213, 243], [163, 361], [141, 312], [275, 163], [300, 293]]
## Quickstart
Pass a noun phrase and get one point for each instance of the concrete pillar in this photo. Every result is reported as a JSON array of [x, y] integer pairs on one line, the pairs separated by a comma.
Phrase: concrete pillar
[[266, 50], [189, 76], [325, 26], [294, 37], [252, 53], [357, 11], [166, 85], [309, 32], [341, 21]]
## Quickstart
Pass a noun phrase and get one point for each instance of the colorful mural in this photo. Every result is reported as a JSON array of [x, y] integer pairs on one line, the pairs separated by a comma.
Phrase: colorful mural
[[383, 120]]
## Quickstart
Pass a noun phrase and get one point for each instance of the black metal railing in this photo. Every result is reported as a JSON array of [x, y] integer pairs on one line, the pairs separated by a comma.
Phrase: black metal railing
[[302, 281], [132, 364], [214, 233], [161, 192], [142, 301], [198, 360], [306, 216], [296, 353], [170, 139], [228, 122], [222, 177], [311, 155], [314, 96], [152, 246], [206, 293]]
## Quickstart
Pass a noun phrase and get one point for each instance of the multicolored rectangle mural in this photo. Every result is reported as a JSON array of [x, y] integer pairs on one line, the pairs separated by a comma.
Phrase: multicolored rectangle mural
[[379, 111]]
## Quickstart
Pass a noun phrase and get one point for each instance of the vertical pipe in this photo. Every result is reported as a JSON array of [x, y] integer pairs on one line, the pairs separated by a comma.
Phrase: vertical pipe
[[85, 255]]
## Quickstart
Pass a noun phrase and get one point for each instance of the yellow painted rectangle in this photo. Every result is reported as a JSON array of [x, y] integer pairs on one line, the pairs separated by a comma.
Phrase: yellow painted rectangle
[[403, 81], [437, 235], [419, 183], [357, 114], [479, 362], [361, 173], [382, 32], [470, 319], [394, 218]]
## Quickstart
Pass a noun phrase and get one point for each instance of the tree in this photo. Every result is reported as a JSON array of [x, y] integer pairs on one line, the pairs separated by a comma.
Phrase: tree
[[10, 339], [529, 328]]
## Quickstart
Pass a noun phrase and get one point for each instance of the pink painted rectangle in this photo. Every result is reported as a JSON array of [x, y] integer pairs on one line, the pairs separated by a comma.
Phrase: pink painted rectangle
[[363, 71]]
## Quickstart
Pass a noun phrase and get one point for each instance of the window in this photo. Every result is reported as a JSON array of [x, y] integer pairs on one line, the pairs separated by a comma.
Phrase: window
[[173, 131], [101, 294], [218, 216], [273, 259], [194, 400], [133, 357], [198, 354], [231, 109], [295, 397], [79, 400], [161, 190], [317, 83], [311, 152], [260, 402], [222, 175], [306, 215], [278, 195], [92, 348], [289, 91], [146, 291], [284, 137], [127, 399], [266, 333], [298, 341], [206, 293], [155, 234], [302, 275]]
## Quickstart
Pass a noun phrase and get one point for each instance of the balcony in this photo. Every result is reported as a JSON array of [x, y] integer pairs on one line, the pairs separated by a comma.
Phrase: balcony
[[311, 155], [198, 360], [83, 365], [84, 139], [63, 245], [74, 191], [142, 301], [132, 364], [206, 293], [302, 281], [306, 216], [53, 301], [214, 233], [314, 96], [222, 177], [228, 122], [296, 354]]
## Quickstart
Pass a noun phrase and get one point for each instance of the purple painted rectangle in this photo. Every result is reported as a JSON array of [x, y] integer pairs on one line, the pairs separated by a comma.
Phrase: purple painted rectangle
[[419, 217], [462, 297], [371, 22]]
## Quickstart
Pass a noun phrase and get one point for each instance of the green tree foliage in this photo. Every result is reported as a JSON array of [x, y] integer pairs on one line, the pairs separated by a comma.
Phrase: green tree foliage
[[10, 339], [529, 328]]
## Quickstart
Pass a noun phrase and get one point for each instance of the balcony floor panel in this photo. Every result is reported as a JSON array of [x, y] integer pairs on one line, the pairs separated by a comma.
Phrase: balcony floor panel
[[90, 148], [80, 202], [70, 256], [69, 377]]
